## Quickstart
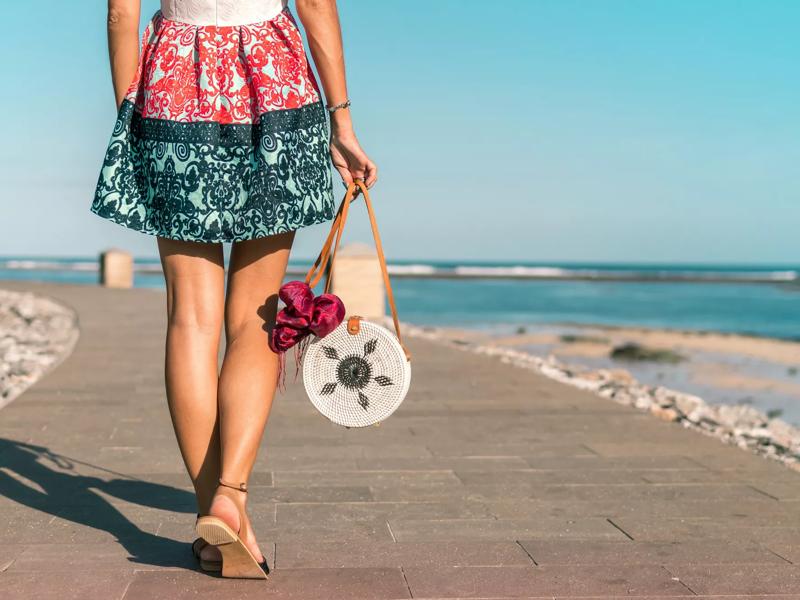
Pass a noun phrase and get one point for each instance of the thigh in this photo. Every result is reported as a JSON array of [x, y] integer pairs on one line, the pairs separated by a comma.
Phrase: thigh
[[255, 274], [194, 273]]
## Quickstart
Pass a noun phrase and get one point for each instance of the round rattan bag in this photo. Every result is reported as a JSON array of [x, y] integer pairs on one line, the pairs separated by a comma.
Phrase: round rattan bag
[[359, 373]]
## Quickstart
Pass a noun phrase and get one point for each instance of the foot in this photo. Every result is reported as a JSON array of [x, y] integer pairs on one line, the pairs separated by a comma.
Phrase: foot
[[229, 505]]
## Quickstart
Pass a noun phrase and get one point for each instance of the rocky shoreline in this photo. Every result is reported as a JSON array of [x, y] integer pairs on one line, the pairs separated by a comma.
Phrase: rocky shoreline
[[36, 333], [739, 425]]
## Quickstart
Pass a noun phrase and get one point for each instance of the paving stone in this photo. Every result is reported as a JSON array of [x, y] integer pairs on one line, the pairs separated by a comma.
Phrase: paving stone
[[512, 582], [345, 554], [108, 585], [688, 528], [301, 493], [763, 512], [9, 554], [354, 511], [437, 463], [739, 579], [128, 556], [419, 530], [779, 490], [466, 447], [593, 552], [300, 584], [595, 462], [641, 447], [549, 476], [363, 477]]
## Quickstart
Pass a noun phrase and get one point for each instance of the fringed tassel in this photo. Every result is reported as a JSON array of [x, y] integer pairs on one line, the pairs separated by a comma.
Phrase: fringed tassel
[[282, 371], [299, 353]]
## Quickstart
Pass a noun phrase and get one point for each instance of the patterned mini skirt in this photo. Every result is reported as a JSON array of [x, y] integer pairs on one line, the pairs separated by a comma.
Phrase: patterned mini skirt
[[222, 135]]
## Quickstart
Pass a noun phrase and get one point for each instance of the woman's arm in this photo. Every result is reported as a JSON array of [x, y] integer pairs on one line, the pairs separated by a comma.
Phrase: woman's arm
[[321, 21], [123, 43]]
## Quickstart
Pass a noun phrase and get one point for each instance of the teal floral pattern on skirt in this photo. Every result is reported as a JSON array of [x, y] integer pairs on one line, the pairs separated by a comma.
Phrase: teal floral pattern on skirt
[[217, 182]]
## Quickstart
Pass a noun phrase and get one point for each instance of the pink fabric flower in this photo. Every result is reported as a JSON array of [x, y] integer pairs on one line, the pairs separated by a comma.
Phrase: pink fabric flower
[[304, 314]]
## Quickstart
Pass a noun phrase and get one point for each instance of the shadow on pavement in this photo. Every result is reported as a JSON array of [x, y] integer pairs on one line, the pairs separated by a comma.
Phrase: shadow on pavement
[[74, 497]]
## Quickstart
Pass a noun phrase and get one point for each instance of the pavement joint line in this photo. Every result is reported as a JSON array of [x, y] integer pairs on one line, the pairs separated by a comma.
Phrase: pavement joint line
[[763, 492], [403, 573], [628, 535], [391, 533], [127, 586], [698, 463], [533, 560], [590, 449], [778, 555], [678, 579]]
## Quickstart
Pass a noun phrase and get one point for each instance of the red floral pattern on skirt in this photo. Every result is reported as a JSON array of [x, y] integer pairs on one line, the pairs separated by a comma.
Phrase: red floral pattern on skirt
[[229, 74]]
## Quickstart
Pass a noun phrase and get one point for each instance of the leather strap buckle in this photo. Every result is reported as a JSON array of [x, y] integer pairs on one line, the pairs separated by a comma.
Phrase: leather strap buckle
[[354, 325]]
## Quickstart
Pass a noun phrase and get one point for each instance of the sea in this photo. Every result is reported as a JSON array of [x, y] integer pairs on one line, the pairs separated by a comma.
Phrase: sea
[[759, 300]]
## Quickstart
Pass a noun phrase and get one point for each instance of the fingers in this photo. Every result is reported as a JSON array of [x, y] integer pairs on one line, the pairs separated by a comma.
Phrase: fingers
[[344, 173], [370, 173]]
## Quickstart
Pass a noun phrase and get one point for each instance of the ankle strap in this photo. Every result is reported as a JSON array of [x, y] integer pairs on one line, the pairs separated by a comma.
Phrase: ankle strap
[[242, 487]]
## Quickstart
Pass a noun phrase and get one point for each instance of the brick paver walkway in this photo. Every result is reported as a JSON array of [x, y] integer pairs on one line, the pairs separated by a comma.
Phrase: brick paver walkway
[[489, 482]]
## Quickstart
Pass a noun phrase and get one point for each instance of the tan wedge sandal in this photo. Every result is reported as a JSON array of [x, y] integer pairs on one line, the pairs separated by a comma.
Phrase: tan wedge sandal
[[237, 560]]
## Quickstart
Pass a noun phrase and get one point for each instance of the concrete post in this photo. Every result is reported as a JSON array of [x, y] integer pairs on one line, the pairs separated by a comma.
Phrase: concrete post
[[357, 280], [116, 269]]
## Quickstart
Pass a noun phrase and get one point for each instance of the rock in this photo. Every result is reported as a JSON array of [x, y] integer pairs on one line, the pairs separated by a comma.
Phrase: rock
[[621, 376], [703, 414], [638, 352], [686, 403], [666, 414], [739, 416]]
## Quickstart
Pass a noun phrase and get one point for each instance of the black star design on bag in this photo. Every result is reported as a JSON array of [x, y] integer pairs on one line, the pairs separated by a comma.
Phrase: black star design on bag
[[354, 372]]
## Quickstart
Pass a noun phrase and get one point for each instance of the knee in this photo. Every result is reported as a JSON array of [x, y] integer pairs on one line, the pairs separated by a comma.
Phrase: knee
[[196, 320], [235, 329], [242, 319]]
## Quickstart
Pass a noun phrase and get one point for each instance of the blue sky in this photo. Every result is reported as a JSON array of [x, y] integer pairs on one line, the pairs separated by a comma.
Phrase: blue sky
[[616, 130]]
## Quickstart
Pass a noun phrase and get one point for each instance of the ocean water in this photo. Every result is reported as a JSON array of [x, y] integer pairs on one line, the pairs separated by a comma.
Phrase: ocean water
[[771, 310], [761, 300]]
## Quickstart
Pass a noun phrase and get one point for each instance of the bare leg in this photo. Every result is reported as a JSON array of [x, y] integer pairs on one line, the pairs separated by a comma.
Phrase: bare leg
[[195, 278], [249, 371]]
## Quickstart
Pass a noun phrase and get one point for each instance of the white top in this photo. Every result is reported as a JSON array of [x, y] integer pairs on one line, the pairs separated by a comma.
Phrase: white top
[[221, 12]]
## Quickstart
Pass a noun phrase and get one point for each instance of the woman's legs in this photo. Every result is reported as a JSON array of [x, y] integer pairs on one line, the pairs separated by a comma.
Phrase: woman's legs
[[249, 370], [195, 279]]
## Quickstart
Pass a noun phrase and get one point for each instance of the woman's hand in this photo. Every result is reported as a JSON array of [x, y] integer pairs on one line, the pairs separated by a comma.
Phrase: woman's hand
[[350, 160]]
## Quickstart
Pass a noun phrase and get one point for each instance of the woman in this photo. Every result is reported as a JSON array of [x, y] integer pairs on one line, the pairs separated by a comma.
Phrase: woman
[[221, 136]]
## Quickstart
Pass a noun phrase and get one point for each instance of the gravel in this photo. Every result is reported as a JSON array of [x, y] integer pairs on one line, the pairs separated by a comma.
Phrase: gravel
[[36, 333]]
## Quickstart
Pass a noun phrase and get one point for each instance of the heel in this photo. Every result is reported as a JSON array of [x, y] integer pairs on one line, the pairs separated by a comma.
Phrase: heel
[[237, 560]]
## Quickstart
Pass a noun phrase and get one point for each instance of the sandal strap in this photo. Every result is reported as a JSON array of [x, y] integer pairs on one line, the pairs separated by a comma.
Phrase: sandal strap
[[242, 487]]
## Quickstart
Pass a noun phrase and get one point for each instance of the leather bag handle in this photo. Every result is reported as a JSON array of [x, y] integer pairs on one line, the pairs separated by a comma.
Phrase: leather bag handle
[[331, 245]]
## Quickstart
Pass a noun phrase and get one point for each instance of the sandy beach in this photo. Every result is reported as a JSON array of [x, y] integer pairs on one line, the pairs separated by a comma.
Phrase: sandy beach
[[720, 367]]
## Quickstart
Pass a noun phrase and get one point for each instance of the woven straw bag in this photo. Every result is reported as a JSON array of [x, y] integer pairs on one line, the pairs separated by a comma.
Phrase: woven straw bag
[[358, 374]]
